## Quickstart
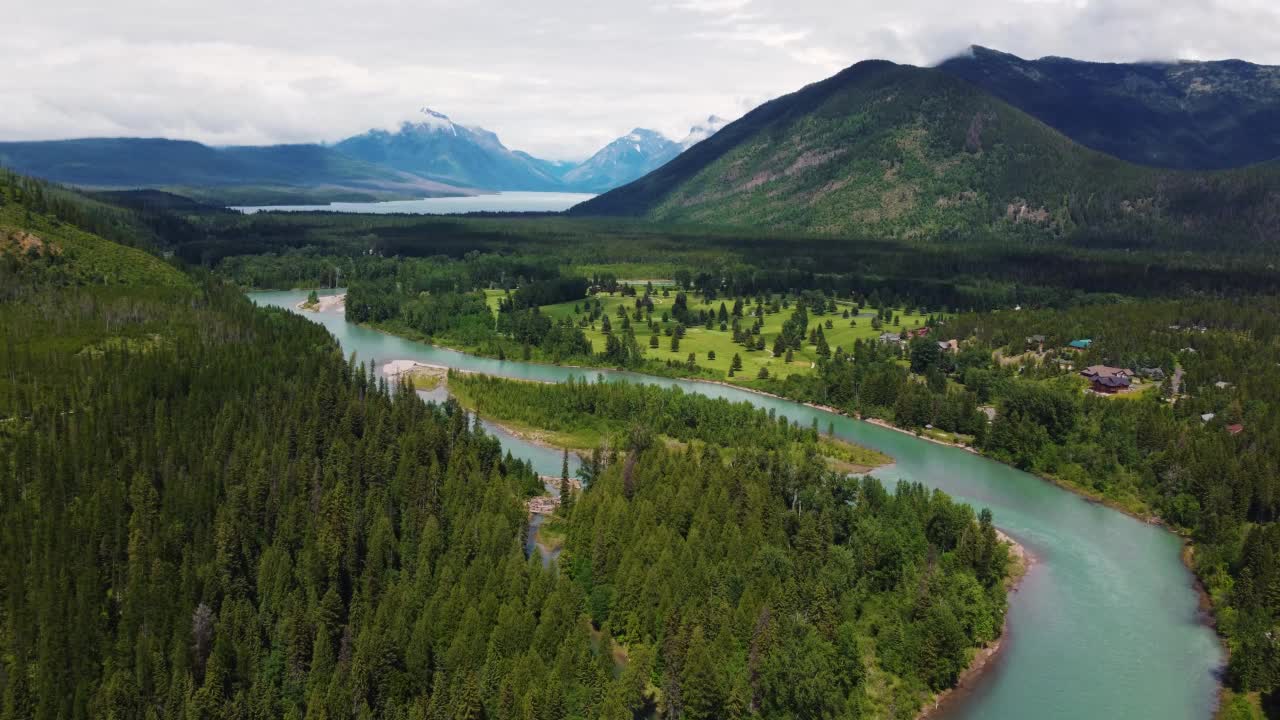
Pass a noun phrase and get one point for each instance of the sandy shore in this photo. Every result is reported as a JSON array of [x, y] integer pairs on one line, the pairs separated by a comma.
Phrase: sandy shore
[[396, 368], [1020, 561], [326, 303]]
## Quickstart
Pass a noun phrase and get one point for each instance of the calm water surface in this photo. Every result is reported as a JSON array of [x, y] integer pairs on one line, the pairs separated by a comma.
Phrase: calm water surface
[[495, 202], [1106, 624]]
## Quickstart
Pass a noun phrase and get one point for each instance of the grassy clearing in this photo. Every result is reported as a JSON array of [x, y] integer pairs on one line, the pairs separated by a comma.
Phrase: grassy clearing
[[850, 458], [426, 378], [701, 341]]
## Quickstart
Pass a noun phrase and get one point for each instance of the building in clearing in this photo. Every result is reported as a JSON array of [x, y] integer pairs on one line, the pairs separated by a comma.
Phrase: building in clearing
[[1110, 384], [1080, 344], [1101, 371], [1152, 373]]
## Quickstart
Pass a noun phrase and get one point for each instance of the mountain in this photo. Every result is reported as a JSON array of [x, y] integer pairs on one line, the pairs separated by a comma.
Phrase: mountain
[[439, 149], [555, 168], [912, 152], [233, 174], [703, 130], [623, 160], [1195, 115]]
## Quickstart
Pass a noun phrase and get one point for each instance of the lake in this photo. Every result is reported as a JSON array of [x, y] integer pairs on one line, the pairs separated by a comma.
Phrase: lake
[[495, 202]]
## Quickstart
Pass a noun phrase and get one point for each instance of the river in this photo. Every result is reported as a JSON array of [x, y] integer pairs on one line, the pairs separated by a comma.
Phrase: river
[[1105, 625]]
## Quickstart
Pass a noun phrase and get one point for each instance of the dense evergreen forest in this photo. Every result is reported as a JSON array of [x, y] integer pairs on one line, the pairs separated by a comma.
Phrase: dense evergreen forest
[[209, 512], [594, 416]]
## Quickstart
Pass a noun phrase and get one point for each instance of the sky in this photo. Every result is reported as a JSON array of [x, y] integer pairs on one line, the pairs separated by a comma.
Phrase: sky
[[556, 78]]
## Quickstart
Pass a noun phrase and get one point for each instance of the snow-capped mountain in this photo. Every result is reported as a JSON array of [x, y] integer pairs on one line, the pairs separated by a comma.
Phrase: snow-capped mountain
[[702, 131], [437, 148], [635, 154]]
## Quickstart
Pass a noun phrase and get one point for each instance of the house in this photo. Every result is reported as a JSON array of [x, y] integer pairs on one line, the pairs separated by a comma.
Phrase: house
[[1207, 417], [949, 345], [888, 337], [1222, 385], [1080, 344], [1152, 373], [1035, 340], [1110, 384], [920, 332], [1235, 428], [1100, 371]]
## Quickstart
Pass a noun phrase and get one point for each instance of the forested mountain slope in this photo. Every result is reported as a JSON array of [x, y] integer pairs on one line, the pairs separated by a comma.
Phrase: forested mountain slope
[[910, 152], [1183, 114], [39, 243]]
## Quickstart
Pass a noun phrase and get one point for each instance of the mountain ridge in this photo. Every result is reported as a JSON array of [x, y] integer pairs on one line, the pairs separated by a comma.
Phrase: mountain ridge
[[264, 171], [913, 152], [1184, 114], [436, 148]]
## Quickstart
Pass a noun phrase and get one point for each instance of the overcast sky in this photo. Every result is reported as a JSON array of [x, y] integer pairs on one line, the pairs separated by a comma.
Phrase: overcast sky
[[558, 78]]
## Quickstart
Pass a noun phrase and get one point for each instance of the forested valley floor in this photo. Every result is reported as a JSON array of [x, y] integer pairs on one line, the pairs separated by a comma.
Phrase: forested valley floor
[[209, 512]]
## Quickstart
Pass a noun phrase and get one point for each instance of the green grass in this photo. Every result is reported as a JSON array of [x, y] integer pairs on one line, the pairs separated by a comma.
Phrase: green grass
[[700, 341]]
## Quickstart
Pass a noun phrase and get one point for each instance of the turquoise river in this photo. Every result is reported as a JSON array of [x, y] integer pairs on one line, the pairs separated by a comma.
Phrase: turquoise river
[[1105, 625]]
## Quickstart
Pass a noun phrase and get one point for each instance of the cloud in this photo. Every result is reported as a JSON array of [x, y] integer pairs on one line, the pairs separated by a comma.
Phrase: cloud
[[558, 78]]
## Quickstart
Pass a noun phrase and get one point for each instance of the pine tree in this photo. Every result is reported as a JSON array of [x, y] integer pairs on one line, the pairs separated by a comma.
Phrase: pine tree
[[699, 682]]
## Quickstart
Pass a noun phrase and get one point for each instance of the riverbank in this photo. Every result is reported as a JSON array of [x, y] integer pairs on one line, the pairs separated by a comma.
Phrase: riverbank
[[1074, 667], [324, 303], [1020, 563]]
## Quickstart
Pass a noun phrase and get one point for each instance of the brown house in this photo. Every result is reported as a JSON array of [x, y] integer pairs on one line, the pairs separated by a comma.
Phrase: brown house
[[1101, 371], [1110, 384]]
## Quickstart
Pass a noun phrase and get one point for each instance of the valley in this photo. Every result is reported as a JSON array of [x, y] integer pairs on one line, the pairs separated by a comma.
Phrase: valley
[[945, 391]]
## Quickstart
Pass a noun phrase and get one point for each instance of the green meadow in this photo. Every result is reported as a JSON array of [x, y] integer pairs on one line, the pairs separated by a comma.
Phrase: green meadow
[[702, 342]]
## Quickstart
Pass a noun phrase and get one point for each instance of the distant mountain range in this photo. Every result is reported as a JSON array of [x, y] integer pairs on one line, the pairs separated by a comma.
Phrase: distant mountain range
[[432, 157], [1194, 115], [891, 150], [869, 149], [234, 175], [440, 149]]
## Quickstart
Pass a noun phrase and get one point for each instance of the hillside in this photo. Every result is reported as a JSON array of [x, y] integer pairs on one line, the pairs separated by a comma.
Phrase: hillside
[[234, 175], [1194, 115], [915, 153], [38, 241]]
